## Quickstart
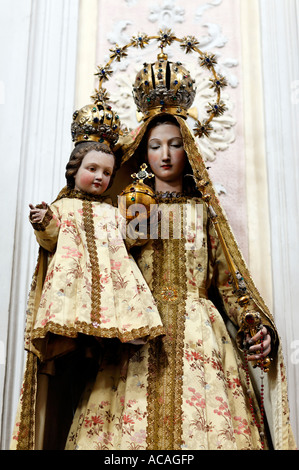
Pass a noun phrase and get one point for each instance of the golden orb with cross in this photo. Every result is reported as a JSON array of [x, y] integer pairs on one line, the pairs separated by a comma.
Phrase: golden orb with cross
[[137, 193]]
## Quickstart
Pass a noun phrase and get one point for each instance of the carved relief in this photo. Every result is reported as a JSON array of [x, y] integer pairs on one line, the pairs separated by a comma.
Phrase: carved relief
[[169, 13]]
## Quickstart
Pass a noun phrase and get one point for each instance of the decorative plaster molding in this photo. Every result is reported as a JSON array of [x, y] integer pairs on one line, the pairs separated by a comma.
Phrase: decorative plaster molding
[[167, 14]]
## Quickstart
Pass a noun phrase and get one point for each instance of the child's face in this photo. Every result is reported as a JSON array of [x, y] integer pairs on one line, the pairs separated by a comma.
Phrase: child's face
[[94, 173]]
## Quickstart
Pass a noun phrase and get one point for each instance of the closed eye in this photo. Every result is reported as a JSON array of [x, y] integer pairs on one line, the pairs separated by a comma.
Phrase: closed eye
[[154, 147]]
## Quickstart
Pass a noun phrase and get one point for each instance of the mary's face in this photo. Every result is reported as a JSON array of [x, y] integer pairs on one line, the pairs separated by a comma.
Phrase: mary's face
[[166, 155]]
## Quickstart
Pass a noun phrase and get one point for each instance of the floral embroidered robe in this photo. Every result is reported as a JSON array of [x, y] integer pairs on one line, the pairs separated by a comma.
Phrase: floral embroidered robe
[[92, 285], [86, 290], [186, 390]]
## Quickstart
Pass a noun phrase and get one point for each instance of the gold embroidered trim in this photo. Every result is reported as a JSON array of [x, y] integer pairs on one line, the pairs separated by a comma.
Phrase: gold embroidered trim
[[26, 437], [75, 194], [93, 256], [165, 381], [179, 198], [88, 329]]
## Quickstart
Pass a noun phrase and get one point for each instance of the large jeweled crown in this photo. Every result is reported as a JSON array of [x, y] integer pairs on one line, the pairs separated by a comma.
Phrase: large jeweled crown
[[164, 86], [96, 123]]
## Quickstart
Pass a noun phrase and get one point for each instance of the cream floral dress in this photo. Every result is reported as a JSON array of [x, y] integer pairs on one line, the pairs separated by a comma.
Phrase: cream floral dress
[[186, 390], [92, 286]]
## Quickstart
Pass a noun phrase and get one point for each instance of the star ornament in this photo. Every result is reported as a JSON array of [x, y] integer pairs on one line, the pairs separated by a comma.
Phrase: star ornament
[[118, 53], [218, 83], [189, 43], [166, 37], [140, 40], [217, 108], [202, 129], [103, 72], [100, 96], [208, 60]]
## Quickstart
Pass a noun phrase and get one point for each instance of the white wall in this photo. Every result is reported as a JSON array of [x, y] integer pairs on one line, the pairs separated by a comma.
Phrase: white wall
[[38, 70], [280, 43]]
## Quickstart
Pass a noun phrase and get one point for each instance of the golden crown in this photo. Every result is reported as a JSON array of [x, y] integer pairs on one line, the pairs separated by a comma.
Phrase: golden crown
[[96, 123], [166, 86]]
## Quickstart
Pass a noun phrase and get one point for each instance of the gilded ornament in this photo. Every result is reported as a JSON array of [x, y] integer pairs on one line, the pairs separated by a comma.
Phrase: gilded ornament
[[153, 90], [202, 129], [217, 83], [104, 72], [164, 86], [169, 293], [100, 96], [217, 108], [140, 40], [96, 123], [166, 37], [189, 43], [137, 193], [118, 53], [208, 60]]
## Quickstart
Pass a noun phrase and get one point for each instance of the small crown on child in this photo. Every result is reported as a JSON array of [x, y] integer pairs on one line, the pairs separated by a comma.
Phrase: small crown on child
[[96, 123]]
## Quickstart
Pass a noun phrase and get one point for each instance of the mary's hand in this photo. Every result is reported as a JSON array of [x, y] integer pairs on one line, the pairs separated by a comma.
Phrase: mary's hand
[[259, 345]]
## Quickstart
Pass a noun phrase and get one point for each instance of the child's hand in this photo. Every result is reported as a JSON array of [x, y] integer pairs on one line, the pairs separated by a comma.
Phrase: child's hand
[[37, 214]]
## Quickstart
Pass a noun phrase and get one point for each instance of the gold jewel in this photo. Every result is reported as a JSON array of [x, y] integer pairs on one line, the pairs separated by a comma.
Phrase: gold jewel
[[169, 293]]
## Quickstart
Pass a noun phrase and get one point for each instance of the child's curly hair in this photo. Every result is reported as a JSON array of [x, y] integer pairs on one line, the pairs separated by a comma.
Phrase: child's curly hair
[[77, 156]]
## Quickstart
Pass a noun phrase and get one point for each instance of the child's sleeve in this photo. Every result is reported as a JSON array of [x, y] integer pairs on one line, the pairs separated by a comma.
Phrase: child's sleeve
[[46, 232]]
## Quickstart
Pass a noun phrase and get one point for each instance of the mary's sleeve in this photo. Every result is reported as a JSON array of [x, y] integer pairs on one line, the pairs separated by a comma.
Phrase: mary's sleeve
[[220, 282]]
